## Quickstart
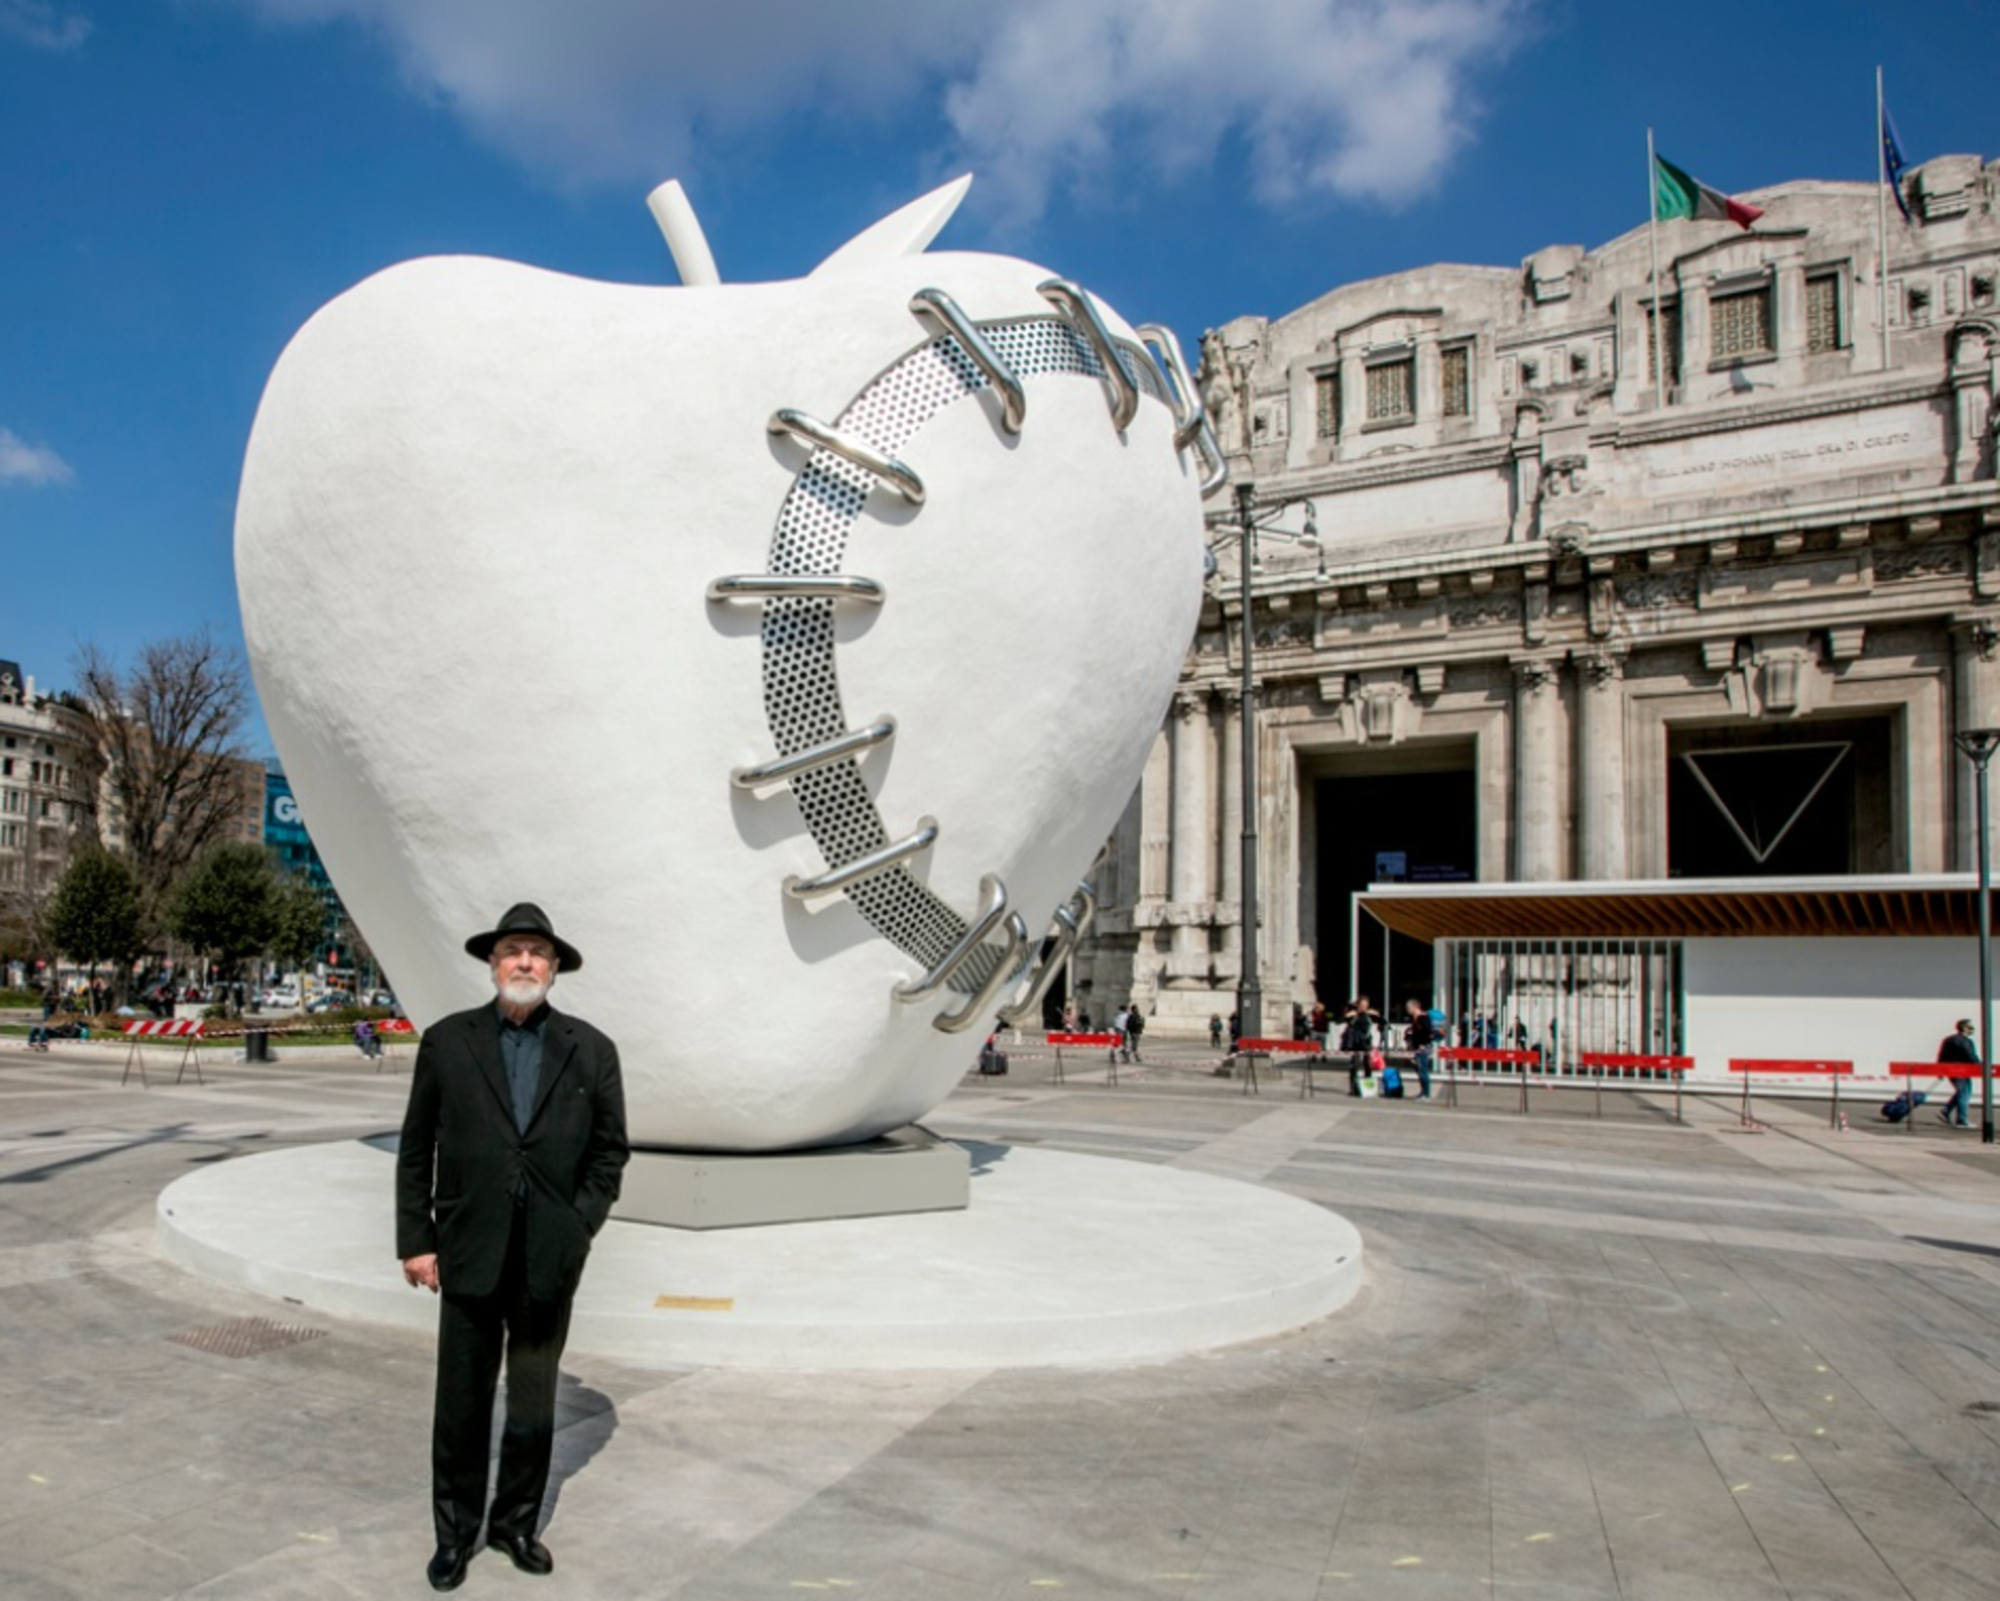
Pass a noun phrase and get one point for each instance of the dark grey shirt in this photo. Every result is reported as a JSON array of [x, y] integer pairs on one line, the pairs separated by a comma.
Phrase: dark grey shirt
[[521, 1052]]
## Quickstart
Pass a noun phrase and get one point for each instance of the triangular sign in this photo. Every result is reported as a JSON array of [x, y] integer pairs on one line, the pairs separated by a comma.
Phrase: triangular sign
[[1763, 791]]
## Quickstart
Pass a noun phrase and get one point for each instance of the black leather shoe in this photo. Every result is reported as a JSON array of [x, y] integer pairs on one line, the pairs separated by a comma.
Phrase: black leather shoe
[[447, 1567], [524, 1551]]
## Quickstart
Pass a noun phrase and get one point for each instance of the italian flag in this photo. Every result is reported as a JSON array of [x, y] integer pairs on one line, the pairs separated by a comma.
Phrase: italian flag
[[1675, 194]]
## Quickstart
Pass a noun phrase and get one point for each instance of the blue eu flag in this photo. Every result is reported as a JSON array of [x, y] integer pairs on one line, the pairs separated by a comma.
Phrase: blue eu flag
[[1893, 162]]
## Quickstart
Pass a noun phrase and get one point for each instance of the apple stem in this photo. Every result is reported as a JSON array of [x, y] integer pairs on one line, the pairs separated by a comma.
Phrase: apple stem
[[674, 212]]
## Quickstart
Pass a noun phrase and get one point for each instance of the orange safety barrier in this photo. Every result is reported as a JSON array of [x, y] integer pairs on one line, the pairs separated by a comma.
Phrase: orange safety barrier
[[1787, 1067], [1108, 1043], [1628, 1061], [1476, 1056], [1311, 1050]]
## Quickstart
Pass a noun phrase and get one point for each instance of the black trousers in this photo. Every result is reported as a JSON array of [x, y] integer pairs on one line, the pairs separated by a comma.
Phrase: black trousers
[[474, 1332]]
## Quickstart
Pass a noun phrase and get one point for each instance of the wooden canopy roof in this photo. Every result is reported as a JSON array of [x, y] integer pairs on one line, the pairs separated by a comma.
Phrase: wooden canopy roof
[[1910, 905]]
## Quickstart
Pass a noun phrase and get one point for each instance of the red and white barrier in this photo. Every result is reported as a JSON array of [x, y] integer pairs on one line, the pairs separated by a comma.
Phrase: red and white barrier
[[188, 1032], [166, 1030]]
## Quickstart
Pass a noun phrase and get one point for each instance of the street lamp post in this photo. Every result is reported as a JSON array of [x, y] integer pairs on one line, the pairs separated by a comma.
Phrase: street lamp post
[[1249, 980], [1250, 984], [1979, 745]]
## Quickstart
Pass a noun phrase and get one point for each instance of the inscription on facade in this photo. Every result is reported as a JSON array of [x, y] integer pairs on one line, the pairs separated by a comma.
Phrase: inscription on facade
[[1831, 445]]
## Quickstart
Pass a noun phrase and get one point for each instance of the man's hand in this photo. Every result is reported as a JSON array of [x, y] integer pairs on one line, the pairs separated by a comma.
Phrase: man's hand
[[421, 1272]]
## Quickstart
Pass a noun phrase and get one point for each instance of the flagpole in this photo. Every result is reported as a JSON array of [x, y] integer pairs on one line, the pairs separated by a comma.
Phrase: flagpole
[[1653, 242], [1881, 221]]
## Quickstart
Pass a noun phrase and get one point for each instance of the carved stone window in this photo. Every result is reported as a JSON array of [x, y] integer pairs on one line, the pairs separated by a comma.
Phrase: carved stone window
[[1392, 391], [1456, 380], [1740, 324], [1326, 397], [1823, 312], [1664, 326]]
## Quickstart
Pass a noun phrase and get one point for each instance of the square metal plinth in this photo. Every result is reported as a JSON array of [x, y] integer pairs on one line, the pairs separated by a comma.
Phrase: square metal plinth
[[908, 1170]]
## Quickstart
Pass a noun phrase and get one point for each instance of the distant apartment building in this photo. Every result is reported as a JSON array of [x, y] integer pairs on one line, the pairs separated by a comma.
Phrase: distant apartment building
[[43, 804], [49, 802], [1615, 579]]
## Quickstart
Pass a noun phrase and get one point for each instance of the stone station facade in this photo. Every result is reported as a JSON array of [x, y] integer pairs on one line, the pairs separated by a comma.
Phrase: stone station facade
[[1570, 617]]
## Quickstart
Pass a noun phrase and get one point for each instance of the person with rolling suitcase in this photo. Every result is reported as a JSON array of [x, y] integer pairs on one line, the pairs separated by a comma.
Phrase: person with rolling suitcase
[[1960, 1049]]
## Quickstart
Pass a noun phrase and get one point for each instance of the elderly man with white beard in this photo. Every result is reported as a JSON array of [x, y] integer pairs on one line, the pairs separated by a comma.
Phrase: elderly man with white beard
[[511, 1156]]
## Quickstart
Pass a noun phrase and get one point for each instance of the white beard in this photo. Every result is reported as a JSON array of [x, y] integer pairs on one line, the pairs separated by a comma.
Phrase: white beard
[[524, 993]]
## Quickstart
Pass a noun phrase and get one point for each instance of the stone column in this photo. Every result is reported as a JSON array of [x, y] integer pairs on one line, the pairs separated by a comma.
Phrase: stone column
[[1537, 836], [1600, 765], [1119, 885], [1975, 649], [1229, 841], [1194, 834], [1154, 824]]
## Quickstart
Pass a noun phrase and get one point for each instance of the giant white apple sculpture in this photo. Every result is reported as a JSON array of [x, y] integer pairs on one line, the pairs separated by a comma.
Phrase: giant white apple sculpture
[[795, 645]]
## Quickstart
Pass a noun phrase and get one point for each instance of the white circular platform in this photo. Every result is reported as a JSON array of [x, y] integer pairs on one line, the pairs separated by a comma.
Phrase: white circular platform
[[1059, 1260]]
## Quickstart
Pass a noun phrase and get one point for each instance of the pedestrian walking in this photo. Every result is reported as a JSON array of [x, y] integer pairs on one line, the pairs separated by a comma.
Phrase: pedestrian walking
[[1959, 1047]]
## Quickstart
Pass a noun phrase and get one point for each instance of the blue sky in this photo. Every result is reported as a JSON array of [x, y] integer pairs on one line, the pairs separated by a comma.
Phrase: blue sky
[[182, 182]]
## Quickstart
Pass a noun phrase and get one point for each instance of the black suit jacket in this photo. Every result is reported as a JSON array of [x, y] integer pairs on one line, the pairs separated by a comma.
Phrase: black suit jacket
[[463, 1162]]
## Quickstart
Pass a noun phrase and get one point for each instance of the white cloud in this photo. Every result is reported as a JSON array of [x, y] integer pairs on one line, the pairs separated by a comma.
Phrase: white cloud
[[33, 465], [42, 24], [1361, 99]]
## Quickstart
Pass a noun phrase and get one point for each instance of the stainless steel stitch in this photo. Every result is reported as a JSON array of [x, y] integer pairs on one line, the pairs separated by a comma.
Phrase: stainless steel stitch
[[801, 688]]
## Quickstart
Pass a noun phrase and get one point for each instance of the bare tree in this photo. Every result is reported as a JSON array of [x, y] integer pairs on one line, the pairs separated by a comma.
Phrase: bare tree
[[163, 742]]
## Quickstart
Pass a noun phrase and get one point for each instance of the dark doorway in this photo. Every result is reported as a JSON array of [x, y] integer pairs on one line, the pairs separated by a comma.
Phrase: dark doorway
[[1397, 826], [1806, 799]]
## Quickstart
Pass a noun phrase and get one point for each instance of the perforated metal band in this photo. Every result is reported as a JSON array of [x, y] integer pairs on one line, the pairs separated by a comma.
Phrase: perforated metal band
[[801, 686]]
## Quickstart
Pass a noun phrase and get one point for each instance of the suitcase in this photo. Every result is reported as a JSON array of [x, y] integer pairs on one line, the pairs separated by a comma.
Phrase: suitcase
[[1903, 1105], [1392, 1083]]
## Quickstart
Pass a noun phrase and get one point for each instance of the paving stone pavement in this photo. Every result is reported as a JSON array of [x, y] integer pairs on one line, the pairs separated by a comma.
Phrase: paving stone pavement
[[1593, 1358]]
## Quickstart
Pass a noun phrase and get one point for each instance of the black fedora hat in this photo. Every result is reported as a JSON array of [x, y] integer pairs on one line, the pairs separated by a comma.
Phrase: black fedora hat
[[526, 918]]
